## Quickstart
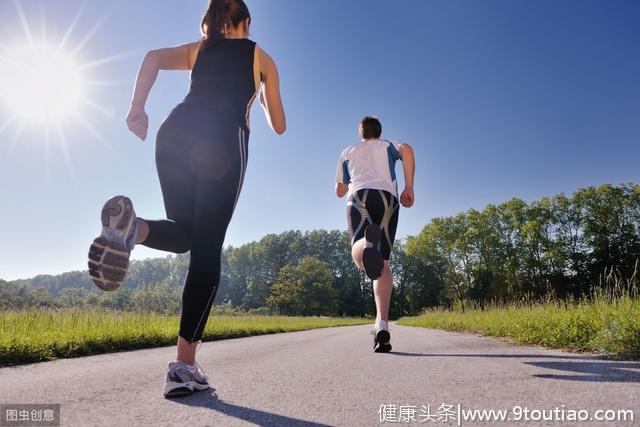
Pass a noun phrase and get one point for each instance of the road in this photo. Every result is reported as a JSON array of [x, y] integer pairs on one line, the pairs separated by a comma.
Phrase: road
[[330, 377]]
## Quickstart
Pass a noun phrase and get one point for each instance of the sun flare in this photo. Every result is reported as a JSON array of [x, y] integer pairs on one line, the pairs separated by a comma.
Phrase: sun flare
[[48, 83], [40, 83]]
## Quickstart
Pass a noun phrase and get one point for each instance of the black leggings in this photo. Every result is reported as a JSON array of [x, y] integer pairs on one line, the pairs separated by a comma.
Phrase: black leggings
[[201, 161]]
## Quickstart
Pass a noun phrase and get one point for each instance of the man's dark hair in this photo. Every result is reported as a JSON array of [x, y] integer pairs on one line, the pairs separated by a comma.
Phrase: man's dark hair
[[370, 127]]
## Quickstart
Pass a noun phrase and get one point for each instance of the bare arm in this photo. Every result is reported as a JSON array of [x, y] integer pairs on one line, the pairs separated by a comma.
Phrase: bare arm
[[270, 95], [409, 168], [172, 58], [341, 189]]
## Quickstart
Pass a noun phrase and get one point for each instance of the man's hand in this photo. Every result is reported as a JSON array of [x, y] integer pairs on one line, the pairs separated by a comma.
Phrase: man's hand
[[341, 189], [409, 168], [406, 198], [138, 122]]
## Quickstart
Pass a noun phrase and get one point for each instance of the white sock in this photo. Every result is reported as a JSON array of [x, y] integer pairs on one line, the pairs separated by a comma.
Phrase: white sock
[[382, 324]]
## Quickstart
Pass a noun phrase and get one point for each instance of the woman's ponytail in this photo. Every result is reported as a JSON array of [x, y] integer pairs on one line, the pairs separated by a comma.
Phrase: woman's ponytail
[[220, 15]]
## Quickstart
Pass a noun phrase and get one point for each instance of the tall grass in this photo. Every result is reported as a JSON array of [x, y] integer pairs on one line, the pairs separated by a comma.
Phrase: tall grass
[[37, 335], [607, 320], [602, 323]]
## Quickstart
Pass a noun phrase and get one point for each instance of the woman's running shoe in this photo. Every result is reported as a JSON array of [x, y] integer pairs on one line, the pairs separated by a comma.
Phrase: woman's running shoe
[[109, 253], [183, 380]]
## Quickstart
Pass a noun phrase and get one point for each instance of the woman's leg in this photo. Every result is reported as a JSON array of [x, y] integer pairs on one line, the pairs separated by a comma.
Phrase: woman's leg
[[186, 351], [142, 230], [177, 175], [221, 169], [165, 235], [168, 235]]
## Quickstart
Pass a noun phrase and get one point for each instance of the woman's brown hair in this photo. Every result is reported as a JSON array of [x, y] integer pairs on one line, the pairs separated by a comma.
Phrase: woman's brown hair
[[220, 15]]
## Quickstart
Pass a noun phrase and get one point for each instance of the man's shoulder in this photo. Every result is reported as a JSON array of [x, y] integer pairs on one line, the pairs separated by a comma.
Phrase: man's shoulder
[[391, 142], [345, 153]]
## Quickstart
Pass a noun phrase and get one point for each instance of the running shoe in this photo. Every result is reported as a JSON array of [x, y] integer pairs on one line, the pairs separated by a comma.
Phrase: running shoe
[[109, 253], [381, 340], [371, 257], [183, 380]]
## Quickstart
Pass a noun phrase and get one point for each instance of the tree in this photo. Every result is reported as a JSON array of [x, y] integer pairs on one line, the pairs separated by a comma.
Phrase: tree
[[160, 298], [73, 297], [305, 289]]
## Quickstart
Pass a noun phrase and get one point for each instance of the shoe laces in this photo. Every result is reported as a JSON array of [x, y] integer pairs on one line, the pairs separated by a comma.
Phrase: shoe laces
[[201, 371], [195, 369]]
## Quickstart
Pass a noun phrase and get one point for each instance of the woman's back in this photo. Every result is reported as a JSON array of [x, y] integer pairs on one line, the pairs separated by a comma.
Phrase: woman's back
[[223, 79]]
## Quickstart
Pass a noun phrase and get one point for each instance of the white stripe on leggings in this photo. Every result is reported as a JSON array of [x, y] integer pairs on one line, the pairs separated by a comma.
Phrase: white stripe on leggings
[[243, 165]]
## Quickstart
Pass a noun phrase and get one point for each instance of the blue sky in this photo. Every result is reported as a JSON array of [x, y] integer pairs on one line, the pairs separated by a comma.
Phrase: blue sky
[[499, 99]]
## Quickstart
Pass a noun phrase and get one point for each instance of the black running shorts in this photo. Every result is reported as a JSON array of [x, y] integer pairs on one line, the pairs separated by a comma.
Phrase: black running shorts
[[369, 206]]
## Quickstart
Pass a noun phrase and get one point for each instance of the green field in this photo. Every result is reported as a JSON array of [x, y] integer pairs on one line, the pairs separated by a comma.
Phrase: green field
[[38, 335], [601, 325]]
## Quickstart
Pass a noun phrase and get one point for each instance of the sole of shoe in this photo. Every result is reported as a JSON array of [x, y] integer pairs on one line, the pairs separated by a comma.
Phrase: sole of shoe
[[371, 257], [108, 254], [382, 342], [108, 263], [114, 207], [173, 389]]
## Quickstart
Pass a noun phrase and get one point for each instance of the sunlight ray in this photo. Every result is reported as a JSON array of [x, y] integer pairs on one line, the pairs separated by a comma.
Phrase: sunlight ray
[[17, 133], [65, 151], [108, 59], [8, 123], [71, 26], [23, 21], [5, 61], [47, 150], [90, 103], [103, 83], [43, 27], [91, 33], [87, 125]]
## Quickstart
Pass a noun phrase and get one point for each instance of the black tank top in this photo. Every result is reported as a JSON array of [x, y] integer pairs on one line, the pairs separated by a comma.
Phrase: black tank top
[[222, 80]]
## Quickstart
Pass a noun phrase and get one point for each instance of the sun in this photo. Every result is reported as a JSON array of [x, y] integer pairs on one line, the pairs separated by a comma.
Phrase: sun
[[41, 83], [46, 86]]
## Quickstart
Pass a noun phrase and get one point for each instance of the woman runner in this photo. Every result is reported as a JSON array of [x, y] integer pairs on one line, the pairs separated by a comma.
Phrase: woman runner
[[201, 157]]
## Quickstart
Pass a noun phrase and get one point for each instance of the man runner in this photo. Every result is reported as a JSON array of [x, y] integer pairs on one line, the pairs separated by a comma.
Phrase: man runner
[[366, 172]]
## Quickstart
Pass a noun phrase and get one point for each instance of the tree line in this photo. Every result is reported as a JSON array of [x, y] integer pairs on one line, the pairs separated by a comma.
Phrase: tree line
[[560, 246]]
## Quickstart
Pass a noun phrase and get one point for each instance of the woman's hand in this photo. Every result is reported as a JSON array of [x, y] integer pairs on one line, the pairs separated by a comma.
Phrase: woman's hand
[[171, 58], [138, 122]]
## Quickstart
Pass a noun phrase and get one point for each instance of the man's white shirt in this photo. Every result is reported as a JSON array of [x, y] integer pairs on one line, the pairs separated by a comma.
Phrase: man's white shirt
[[369, 164]]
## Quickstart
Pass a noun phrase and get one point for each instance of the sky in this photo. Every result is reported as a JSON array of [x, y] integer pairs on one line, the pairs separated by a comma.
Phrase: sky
[[499, 99]]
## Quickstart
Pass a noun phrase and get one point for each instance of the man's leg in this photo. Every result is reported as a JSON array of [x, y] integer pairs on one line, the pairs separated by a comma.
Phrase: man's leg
[[382, 293], [356, 252], [382, 287]]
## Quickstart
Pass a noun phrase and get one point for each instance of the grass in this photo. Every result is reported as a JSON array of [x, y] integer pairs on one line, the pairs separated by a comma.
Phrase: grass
[[37, 335], [599, 325]]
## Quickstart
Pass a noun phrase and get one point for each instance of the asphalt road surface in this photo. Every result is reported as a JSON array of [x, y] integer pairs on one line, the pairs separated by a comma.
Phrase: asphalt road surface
[[331, 377]]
